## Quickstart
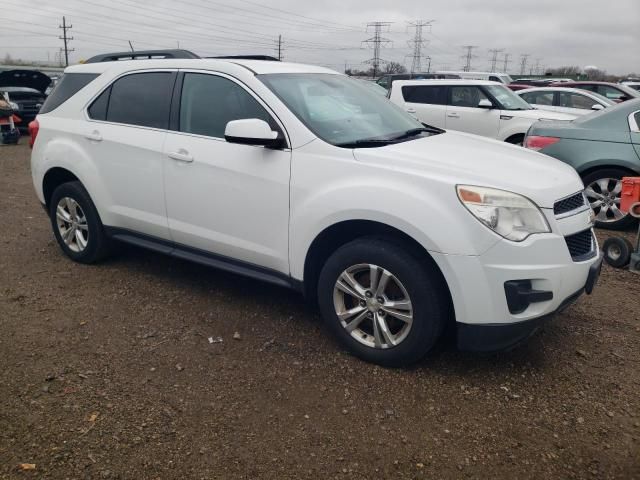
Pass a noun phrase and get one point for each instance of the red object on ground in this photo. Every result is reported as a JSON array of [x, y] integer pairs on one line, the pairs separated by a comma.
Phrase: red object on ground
[[5, 120], [630, 192], [34, 127]]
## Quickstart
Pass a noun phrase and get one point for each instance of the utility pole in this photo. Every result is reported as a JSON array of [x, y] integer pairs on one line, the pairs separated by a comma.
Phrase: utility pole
[[468, 57], [280, 47], [66, 40], [523, 63], [417, 43], [506, 62], [377, 42], [429, 64], [494, 57]]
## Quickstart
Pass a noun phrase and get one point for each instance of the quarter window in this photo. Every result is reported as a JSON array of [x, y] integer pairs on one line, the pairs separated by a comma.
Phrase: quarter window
[[433, 95], [610, 92], [574, 100], [138, 99], [538, 98], [209, 102]]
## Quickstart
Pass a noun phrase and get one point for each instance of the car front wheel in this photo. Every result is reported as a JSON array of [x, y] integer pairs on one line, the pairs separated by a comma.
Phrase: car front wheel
[[383, 303]]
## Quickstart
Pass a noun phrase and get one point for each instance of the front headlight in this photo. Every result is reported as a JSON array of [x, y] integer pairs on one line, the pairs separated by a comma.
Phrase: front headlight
[[510, 215]]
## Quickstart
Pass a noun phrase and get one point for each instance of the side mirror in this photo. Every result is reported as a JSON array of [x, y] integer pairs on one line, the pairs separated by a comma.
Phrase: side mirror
[[597, 106], [252, 131], [484, 103]]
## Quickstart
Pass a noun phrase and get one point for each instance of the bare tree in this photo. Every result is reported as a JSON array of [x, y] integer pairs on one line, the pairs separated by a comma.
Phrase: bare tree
[[394, 67]]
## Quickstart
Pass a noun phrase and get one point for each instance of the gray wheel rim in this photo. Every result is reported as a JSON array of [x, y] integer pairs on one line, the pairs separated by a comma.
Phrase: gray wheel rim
[[614, 252], [373, 306], [604, 198], [72, 224]]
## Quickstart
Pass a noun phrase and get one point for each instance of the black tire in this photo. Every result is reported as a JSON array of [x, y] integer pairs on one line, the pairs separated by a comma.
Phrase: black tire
[[98, 244], [627, 221], [423, 285], [617, 251]]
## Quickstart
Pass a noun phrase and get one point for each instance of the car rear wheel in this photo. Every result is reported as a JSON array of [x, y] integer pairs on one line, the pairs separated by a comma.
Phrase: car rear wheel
[[381, 302], [603, 188], [76, 224]]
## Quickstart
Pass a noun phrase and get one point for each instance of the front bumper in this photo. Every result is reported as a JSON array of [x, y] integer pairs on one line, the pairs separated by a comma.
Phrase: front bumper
[[499, 337]]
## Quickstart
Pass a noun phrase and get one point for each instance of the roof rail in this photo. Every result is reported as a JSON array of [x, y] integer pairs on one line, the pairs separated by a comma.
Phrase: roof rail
[[247, 57], [142, 55]]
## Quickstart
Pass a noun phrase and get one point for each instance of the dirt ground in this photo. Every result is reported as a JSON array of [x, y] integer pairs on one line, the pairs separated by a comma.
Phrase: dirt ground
[[107, 372]]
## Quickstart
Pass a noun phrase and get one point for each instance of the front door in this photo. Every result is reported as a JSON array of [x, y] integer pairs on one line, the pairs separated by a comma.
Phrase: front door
[[224, 198], [463, 113]]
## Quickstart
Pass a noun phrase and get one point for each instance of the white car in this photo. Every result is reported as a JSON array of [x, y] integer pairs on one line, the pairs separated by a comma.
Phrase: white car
[[300, 176], [491, 76], [480, 107], [565, 100]]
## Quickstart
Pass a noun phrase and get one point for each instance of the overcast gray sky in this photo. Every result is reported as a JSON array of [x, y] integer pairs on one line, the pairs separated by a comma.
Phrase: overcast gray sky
[[330, 32]]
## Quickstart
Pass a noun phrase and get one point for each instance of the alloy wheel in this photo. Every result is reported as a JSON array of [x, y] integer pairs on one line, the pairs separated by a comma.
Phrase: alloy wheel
[[604, 198], [72, 224], [373, 306]]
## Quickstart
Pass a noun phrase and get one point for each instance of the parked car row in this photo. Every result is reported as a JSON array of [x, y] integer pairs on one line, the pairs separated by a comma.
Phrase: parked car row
[[302, 177], [27, 89]]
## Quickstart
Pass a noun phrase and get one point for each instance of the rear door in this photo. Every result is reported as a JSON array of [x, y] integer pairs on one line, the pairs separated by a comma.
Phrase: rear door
[[574, 103], [463, 113], [428, 103], [542, 100], [125, 135]]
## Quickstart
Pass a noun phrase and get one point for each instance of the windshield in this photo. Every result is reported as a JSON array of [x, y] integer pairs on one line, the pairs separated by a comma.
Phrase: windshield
[[341, 111], [507, 99]]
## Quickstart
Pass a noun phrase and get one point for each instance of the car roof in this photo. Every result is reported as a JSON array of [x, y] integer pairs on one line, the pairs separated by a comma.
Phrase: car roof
[[256, 66], [558, 89], [448, 81]]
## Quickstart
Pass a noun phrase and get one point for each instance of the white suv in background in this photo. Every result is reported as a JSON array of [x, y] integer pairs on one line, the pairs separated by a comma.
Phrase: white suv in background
[[484, 108], [302, 177]]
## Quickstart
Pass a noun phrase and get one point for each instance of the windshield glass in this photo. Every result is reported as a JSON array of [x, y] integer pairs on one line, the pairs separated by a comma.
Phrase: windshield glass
[[508, 100], [338, 109]]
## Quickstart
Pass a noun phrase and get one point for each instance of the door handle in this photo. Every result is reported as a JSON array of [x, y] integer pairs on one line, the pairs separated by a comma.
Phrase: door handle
[[453, 115], [411, 110], [181, 156], [94, 136]]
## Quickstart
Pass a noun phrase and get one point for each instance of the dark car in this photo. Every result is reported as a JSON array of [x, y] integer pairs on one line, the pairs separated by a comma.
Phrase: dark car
[[603, 147], [612, 91], [386, 80], [27, 89]]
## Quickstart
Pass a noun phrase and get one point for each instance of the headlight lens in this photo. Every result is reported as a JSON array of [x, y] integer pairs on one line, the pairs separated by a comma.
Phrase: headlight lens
[[510, 215]]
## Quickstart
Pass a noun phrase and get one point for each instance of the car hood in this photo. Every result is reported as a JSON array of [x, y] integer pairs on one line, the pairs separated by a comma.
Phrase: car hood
[[461, 158], [25, 78], [537, 114]]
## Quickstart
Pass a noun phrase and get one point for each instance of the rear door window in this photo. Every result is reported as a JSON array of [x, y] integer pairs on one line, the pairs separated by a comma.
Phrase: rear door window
[[427, 94], [67, 87], [538, 98], [575, 100], [467, 96]]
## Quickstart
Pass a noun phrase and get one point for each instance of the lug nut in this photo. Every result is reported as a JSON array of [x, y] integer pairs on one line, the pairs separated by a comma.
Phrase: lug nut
[[368, 294], [380, 300], [381, 313], [363, 303]]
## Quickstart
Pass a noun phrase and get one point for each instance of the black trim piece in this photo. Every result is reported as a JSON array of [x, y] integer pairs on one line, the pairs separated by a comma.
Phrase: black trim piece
[[520, 295], [495, 337], [203, 257], [174, 112]]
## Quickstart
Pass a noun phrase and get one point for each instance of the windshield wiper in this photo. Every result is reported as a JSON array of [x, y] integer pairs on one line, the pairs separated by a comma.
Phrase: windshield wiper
[[366, 143], [411, 133]]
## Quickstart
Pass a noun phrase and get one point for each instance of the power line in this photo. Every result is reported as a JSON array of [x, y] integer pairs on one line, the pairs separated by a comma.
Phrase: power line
[[494, 57], [468, 57], [418, 43], [377, 42], [66, 39], [523, 62]]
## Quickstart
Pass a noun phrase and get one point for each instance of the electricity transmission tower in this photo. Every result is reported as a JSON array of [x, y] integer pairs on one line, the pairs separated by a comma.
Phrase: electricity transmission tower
[[494, 57], [417, 43], [377, 42], [523, 63], [536, 69], [506, 62], [468, 57], [64, 37]]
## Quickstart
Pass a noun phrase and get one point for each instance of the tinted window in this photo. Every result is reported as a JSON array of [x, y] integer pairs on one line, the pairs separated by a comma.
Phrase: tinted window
[[574, 100], [636, 116], [209, 102], [433, 95], [610, 92], [467, 96], [493, 78], [141, 99], [67, 87], [538, 98], [98, 109]]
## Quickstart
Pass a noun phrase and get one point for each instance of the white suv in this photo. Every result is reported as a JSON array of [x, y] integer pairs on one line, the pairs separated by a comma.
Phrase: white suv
[[480, 107], [300, 176]]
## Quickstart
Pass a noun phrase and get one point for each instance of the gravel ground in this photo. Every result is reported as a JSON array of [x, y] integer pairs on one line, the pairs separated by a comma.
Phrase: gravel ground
[[107, 371]]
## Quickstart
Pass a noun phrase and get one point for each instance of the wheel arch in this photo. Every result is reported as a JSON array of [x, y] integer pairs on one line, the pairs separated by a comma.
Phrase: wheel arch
[[53, 178], [594, 166], [341, 233]]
